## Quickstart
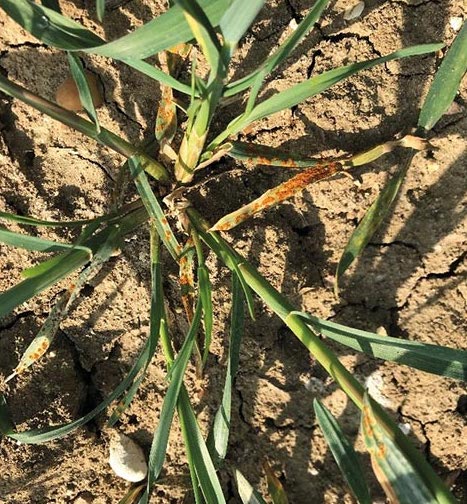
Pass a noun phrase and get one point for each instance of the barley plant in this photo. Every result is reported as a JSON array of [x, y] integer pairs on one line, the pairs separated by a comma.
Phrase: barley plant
[[183, 151]]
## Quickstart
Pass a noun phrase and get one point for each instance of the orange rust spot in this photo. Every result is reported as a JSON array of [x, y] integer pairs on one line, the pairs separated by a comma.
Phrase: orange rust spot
[[255, 206], [264, 161], [381, 451], [268, 200], [290, 163], [168, 235], [164, 221], [44, 345]]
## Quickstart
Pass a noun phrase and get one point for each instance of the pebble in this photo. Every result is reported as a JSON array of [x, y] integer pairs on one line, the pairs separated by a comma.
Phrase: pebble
[[456, 23], [127, 458], [354, 12]]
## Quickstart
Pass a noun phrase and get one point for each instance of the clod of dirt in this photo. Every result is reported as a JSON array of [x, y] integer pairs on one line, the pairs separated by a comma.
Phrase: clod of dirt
[[67, 95], [127, 458]]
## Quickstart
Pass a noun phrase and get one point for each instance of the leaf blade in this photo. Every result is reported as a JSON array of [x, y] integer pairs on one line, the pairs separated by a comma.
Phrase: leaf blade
[[398, 477], [446, 82], [430, 358], [343, 453]]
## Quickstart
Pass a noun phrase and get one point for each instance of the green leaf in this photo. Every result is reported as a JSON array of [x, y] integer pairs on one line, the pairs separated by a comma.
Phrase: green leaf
[[51, 4], [161, 435], [247, 493], [202, 30], [311, 87], [398, 477], [100, 9], [81, 81], [446, 82], [203, 464], [206, 301], [228, 255], [434, 359], [281, 53], [28, 288], [35, 243], [343, 452], [219, 436], [64, 265], [105, 137], [167, 30], [153, 207], [372, 220], [32, 221], [236, 21]]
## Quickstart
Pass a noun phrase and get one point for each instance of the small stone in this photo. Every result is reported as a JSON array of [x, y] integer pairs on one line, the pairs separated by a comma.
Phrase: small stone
[[314, 384], [456, 23], [127, 458], [375, 385], [381, 331], [293, 25], [354, 12]]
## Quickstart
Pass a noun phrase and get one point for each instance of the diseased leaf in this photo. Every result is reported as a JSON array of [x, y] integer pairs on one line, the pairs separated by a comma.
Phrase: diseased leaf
[[274, 196], [398, 477], [275, 488], [46, 334]]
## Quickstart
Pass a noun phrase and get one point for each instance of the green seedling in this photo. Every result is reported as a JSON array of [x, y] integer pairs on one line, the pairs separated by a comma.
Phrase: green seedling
[[215, 28]]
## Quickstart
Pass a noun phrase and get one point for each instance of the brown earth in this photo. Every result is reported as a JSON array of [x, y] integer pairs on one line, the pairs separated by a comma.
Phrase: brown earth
[[410, 280]]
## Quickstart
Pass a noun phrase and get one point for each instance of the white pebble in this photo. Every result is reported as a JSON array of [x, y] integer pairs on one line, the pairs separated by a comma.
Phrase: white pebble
[[354, 12], [375, 384], [293, 25], [381, 331], [456, 23], [127, 458]]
